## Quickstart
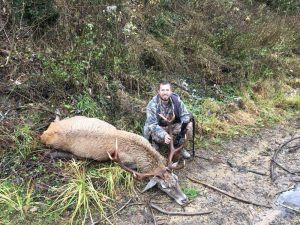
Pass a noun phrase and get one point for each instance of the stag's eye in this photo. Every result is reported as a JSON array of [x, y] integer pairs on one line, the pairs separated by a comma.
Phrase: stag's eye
[[175, 177]]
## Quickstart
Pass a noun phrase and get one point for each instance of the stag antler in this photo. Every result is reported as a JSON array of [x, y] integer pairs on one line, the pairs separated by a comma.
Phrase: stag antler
[[173, 150], [156, 172]]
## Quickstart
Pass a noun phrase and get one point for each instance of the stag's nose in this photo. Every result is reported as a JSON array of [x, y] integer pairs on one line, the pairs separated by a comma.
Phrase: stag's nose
[[183, 201]]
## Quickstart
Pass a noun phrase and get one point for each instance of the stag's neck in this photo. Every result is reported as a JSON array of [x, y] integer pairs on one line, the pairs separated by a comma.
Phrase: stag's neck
[[138, 150]]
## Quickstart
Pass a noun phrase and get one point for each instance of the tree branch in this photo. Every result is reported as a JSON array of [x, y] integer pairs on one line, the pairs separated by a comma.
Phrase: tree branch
[[228, 194]]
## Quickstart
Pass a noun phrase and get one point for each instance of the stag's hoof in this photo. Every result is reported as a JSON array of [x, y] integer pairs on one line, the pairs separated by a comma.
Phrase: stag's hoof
[[185, 154]]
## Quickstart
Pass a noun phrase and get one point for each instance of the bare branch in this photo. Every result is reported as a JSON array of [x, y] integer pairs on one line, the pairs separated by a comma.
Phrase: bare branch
[[290, 208], [228, 194]]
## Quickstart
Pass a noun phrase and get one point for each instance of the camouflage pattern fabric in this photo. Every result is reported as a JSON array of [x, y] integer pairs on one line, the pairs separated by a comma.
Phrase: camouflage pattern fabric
[[158, 132], [176, 129]]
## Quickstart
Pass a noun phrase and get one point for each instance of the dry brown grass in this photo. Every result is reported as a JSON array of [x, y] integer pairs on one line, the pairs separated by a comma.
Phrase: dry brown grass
[[243, 118]]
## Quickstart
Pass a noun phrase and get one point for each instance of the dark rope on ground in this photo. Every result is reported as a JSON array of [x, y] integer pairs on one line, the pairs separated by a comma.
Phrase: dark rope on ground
[[286, 169], [228, 194], [274, 162], [178, 213], [257, 172], [293, 148]]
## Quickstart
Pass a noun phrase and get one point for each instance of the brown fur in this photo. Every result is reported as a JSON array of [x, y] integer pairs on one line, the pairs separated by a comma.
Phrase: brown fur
[[92, 138]]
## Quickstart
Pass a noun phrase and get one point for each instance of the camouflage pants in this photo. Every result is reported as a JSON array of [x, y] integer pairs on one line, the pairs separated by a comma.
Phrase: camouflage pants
[[157, 141]]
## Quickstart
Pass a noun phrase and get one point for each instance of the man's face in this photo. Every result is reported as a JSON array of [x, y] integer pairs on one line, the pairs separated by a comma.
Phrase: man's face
[[165, 91]]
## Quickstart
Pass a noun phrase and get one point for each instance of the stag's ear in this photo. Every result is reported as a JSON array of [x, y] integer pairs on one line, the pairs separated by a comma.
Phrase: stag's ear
[[151, 184]]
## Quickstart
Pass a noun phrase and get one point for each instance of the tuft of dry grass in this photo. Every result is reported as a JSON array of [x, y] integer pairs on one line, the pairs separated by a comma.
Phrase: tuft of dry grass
[[243, 118], [88, 191]]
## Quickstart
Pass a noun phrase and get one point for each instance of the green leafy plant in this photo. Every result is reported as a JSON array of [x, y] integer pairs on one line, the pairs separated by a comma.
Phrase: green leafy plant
[[88, 106], [191, 192], [159, 26], [23, 139]]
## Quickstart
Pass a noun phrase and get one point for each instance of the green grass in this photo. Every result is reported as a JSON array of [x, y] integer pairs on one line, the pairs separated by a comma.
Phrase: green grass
[[23, 140], [292, 102], [89, 191], [266, 103], [115, 178], [191, 192], [16, 200], [78, 196], [87, 106]]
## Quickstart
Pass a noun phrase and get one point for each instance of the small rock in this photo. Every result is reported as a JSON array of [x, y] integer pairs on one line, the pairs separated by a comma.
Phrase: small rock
[[111, 8], [33, 209], [19, 180], [239, 102]]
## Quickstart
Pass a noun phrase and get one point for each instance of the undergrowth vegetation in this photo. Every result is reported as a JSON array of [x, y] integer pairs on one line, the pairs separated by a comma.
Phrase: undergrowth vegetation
[[83, 196], [235, 63]]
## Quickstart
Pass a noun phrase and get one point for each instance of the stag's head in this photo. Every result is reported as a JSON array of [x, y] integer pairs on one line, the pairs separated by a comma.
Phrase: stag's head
[[168, 183], [162, 176]]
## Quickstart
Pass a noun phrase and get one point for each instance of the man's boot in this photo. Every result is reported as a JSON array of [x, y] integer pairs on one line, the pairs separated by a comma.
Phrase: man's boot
[[185, 154]]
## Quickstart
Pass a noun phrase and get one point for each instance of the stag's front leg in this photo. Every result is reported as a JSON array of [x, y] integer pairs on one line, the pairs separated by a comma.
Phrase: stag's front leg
[[127, 160], [60, 155]]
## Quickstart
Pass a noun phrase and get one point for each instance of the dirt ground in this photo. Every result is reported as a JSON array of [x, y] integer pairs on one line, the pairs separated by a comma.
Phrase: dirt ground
[[241, 167]]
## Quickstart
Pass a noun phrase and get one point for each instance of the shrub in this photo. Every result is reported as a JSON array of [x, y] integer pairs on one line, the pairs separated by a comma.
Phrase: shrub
[[35, 13]]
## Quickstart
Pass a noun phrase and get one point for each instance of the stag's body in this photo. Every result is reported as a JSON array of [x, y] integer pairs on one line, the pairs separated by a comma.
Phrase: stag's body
[[92, 138], [95, 139]]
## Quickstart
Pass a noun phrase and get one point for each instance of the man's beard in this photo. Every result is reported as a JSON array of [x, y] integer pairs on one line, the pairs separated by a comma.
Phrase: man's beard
[[165, 98]]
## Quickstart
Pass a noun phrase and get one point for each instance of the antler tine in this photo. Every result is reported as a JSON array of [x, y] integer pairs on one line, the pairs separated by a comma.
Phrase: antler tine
[[169, 121], [173, 150], [136, 174]]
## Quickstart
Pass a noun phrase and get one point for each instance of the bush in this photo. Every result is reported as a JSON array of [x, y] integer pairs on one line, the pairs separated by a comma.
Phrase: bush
[[35, 13], [284, 5]]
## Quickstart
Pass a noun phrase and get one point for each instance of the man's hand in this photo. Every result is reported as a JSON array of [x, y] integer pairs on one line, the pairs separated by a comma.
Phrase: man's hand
[[167, 139]]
